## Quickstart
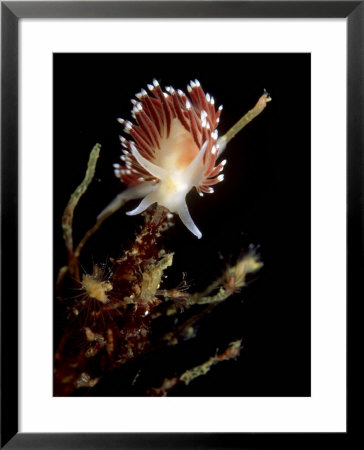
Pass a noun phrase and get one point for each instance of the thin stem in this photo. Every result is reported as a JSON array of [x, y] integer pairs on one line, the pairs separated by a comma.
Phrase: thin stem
[[248, 117], [67, 218], [90, 232]]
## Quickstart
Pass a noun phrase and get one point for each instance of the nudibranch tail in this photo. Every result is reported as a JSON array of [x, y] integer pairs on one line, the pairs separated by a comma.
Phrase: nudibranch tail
[[173, 148]]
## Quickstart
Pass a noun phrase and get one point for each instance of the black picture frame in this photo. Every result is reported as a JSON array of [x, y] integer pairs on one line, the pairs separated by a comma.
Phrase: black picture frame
[[11, 12]]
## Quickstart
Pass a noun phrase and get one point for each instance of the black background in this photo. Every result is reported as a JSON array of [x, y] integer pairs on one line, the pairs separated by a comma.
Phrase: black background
[[264, 200]]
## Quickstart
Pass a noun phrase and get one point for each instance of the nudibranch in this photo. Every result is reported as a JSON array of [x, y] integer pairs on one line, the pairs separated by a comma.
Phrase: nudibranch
[[173, 147]]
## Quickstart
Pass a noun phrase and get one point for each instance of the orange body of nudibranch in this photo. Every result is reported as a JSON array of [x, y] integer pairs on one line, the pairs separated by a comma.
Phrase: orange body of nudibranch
[[173, 148]]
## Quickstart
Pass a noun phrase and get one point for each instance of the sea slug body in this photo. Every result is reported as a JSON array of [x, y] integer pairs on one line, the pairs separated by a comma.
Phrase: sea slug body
[[173, 147]]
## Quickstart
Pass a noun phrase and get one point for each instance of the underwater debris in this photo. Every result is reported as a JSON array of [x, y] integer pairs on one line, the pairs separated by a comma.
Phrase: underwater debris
[[110, 323], [232, 352]]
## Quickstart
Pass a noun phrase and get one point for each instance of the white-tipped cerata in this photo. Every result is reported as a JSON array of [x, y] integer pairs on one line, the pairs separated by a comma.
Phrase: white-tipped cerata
[[172, 149]]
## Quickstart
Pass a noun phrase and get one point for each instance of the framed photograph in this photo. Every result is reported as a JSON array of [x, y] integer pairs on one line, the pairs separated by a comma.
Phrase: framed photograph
[[142, 313]]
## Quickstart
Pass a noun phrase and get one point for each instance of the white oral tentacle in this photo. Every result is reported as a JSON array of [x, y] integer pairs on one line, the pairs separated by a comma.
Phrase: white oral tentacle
[[186, 218], [156, 171], [144, 204], [129, 194], [190, 171]]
